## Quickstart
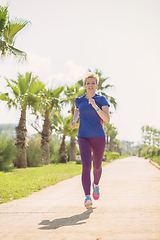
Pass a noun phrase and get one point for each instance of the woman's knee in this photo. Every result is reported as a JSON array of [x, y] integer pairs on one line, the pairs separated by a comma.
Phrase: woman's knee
[[97, 168], [86, 168]]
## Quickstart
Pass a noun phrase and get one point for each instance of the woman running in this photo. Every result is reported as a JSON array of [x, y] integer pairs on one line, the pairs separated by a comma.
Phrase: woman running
[[92, 109]]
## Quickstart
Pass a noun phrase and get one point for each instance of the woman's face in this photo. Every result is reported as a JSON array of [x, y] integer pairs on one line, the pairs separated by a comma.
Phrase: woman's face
[[91, 85]]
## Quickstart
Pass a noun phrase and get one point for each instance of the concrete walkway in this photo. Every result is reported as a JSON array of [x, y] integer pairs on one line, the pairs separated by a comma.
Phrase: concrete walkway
[[128, 209]]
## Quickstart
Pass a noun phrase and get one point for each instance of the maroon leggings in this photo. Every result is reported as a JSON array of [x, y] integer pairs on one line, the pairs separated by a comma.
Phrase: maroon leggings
[[85, 145]]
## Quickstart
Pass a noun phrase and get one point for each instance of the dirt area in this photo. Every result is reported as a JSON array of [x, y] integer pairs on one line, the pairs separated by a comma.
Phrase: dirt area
[[128, 209]]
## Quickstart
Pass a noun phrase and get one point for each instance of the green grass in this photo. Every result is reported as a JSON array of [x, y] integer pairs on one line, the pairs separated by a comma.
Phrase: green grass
[[125, 155], [156, 159], [22, 182]]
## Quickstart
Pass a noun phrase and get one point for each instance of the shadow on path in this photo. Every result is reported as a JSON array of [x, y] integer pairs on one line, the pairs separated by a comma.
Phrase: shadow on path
[[68, 221]]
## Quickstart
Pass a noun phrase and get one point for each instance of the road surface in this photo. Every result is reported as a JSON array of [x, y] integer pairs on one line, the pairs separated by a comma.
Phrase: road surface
[[128, 209]]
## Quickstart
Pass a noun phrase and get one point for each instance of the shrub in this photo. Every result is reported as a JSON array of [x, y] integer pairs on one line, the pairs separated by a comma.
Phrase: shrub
[[34, 152], [158, 152], [7, 150], [145, 150], [54, 146], [68, 146], [111, 155]]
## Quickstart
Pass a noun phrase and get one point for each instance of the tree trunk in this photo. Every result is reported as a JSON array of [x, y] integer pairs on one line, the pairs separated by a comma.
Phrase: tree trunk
[[111, 145], [21, 130], [45, 139], [63, 151], [73, 149], [107, 142]]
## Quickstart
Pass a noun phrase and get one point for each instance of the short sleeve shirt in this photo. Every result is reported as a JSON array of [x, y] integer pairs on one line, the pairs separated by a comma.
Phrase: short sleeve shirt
[[90, 123]]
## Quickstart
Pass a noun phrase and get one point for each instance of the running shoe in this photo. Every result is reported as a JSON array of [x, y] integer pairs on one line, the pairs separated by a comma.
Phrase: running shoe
[[88, 202], [96, 193]]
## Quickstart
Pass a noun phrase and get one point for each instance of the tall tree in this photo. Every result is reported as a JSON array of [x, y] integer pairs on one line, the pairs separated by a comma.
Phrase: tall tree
[[50, 102], [71, 93], [66, 130], [24, 95], [9, 30]]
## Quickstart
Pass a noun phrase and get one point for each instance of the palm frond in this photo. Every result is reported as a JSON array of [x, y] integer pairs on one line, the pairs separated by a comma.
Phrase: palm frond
[[4, 97], [23, 83], [56, 92], [21, 55], [113, 102], [14, 88], [36, 87], [13, 28]]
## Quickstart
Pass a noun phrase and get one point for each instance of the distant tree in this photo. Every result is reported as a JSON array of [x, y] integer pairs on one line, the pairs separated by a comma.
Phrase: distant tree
[[9, 30], [150, 136]]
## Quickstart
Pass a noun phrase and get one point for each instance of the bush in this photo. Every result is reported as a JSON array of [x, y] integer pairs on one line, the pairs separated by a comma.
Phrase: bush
[[156, 159], [54, 146], [111, 155], [149, 151], [158, 152], [7, 150], [34, 152], [68, 146], [145, 151]]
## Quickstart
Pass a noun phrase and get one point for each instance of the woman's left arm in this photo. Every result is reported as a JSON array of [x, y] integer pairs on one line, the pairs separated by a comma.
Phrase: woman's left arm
[[103, 113]]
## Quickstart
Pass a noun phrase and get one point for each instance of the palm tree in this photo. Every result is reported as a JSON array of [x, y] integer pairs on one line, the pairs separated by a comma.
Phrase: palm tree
[[9, 30], [66, 130], [25, 95], [111, 132], [50, 102], [71, 93], [103, 86], [108, 131]]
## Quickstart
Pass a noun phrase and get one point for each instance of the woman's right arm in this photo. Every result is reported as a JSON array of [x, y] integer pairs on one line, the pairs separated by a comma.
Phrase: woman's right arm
[[75, 117]]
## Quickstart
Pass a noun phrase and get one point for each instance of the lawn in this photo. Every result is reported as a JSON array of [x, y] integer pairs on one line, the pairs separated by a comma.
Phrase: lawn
[[22, 182]]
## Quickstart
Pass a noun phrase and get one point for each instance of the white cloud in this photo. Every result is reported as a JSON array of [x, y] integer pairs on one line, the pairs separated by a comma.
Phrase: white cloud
[[72, 75], [40, 66]]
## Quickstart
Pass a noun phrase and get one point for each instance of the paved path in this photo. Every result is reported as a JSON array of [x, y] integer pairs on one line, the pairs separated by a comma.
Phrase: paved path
[[129, 208]]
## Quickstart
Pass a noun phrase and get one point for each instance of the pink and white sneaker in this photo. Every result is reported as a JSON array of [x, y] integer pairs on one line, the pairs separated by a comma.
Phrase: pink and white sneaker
[[96, 193], [88, 202]]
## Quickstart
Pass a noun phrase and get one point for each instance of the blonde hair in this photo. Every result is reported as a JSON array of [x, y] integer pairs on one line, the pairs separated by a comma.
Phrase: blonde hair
[[90, 75]]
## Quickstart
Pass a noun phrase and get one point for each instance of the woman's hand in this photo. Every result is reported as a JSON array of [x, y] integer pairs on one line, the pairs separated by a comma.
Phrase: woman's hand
[[73, 124], [93, 103]]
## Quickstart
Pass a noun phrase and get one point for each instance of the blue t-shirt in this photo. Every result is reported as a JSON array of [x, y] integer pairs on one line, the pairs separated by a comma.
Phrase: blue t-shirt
[[90, 123]]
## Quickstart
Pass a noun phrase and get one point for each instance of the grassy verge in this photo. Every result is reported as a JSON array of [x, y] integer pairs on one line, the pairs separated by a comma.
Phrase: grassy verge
[[124, 156], [156, 159], [22, 182]]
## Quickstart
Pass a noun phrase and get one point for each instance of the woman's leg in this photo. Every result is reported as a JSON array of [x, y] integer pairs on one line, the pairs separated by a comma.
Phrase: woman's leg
[[98, 147], [85, 151]]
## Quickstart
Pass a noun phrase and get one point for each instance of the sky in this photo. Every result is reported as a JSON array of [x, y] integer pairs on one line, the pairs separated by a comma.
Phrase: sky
[[68, 37]]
